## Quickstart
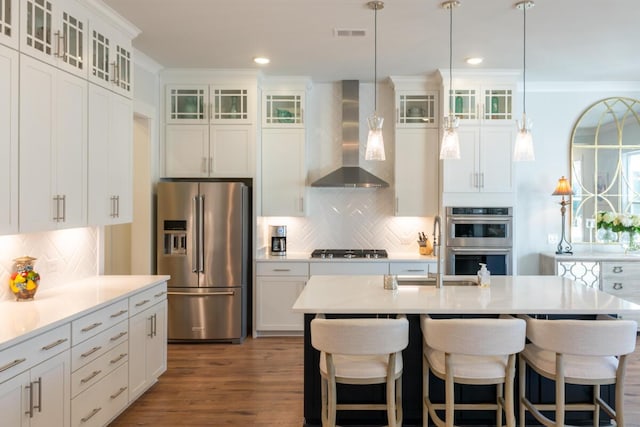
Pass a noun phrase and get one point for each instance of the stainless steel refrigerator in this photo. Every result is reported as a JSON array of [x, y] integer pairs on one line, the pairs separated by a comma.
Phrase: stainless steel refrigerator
[[203, 244]]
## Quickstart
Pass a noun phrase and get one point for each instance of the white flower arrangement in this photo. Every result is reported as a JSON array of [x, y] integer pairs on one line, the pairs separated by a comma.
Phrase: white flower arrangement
[[618, 222]]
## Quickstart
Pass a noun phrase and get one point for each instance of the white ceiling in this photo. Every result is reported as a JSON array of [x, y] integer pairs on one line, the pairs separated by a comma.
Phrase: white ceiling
[[567, 40]]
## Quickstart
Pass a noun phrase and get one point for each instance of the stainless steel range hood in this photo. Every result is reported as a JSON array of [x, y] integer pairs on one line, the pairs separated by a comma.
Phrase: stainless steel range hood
[[350, 174]]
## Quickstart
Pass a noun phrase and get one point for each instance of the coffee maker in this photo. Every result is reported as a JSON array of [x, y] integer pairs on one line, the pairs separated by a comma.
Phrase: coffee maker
[[278, 240]]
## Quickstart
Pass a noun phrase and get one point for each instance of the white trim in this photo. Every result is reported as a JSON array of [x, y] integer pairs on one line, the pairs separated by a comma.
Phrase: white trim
[[582, 86], [146, 62], [144, 109], [114, 18]]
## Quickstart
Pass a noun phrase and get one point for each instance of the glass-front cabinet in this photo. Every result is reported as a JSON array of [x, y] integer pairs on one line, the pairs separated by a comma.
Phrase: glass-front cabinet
[[283, 109], [201, 104], [9, 23], [416, 109], [110, 59], [487, 103], [187, 104]]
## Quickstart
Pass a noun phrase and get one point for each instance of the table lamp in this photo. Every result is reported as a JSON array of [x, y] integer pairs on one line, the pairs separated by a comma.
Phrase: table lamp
[[563, 189]]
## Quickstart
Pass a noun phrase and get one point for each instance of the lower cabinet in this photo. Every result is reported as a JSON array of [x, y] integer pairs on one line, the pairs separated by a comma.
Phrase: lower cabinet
[[622, 279], [418, 268]]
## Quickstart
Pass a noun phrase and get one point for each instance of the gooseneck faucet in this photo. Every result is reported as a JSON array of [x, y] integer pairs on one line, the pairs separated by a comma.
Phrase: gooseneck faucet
[[437, 238]]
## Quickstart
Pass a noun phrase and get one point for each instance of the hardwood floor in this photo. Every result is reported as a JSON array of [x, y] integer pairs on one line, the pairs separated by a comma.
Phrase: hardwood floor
[[257, 383]]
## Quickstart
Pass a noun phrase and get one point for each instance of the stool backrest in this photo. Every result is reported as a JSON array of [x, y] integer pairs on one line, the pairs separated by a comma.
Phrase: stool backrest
[[478, 337], [584, 337], [360, 336]]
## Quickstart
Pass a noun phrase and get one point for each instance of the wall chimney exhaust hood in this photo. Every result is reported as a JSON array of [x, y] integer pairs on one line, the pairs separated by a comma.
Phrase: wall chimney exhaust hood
[[350, 175]]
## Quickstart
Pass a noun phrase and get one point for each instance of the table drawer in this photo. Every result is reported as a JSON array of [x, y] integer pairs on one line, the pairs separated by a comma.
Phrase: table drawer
[[92, 324], [145, 299], [416, 268], [282, 269], [614, 270], [95, 347], [29, 353], [93, 372]]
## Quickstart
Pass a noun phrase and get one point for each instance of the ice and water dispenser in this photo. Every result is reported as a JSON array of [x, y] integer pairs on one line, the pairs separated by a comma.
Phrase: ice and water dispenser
[[175, 237]]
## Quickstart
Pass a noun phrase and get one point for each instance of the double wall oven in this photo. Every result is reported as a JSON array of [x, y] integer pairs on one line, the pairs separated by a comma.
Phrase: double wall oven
[[477, 235]]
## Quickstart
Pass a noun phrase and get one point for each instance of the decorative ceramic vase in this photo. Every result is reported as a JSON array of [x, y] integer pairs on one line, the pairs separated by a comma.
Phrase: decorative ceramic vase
[[25, 280]]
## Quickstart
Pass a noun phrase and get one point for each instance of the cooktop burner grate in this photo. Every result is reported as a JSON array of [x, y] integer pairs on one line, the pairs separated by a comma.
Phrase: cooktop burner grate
[[349, 253]]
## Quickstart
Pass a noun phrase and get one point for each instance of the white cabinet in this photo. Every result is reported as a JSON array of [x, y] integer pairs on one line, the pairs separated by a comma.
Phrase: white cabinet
[[348, 267], [9, 23], [209, 131], [110, 190], [111, 61], [622, 279], [417, 174], [283, 108], [147, 339], [53, 165], [278, 285], [9, 137], [284, 172], [55, 31], [417, 268]]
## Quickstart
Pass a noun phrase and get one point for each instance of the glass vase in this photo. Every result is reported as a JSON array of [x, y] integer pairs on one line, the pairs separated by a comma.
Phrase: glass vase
[[630, 241], [606, 236]]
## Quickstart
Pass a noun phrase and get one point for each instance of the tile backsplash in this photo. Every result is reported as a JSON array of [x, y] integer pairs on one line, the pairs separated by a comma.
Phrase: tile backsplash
[[62, 256]]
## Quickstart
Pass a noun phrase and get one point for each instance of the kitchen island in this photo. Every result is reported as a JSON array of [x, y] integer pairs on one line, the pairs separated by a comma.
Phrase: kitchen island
[[366, 296]]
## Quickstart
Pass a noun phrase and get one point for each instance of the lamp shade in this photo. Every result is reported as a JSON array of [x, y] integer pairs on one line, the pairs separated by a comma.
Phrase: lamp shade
[[375, 141], [563, 188], [450, 147], [523, 148]]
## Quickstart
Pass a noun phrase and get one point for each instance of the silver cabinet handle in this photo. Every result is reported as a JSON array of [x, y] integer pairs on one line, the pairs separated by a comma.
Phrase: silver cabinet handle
[[64, 208], [90, 327], [90, 377], [120, 313], [12, 364], [90, 352], [60, 37], [141, 303], [281, 269], [54, 344], [151, 331], [88, 417], [617, 286], [39, 406], [117, 359], [301, 204], [56, 217], [117, 206], [159, 294], [194, 241], [30, 411], [117, 337], [415, 270], [617, 269], [397, 205], [202, 294], [204, 165], [482, 180], [118, 393], [113, 207]]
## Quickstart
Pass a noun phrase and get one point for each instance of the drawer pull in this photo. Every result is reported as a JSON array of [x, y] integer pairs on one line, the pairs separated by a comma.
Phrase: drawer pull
[[119, 358], [415, 270], [55, 344], [203, 294], [90, 327], [88, 417], [617, 269], [141, 303], [12, 364], [118, 393], [90, 377], [120, 313], [617, 286], [159, 294], [281, 269], [120, 335], [90, 352]]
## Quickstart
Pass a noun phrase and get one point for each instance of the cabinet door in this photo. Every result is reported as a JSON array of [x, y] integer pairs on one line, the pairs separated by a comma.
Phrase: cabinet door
[[416, 110], [157, 343], [230, 105], [70, 37], [187, 104], [122, 68], [37, 178], [495, 159], [231, 151], [284, 172], [100, 205], [120, 158], [9, 23], [461, 175], [12, 402], [71, 150], [274, 299], [9, 139], [139, 329], [51, 392], [101, 52], [36, 21], [186, 151], [416, 172], [283, 109]]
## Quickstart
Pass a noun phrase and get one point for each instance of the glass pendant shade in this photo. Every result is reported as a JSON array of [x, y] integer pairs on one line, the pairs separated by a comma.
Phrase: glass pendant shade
[[375, 141], [523, 149], [450, 147]]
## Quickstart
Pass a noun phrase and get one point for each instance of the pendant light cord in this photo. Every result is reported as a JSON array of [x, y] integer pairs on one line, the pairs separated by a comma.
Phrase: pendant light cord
[[451, 93], [375, 59], [525, 5]]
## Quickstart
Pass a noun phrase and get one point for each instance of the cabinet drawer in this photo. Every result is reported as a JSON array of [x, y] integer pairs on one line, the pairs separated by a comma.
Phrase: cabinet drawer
[[348, 267], [94, 371], [145, 299], [282, 269], [98, 321], [102, 401], [624, 288], [417, 268], [29, 353], [95, 347], [615, 270]]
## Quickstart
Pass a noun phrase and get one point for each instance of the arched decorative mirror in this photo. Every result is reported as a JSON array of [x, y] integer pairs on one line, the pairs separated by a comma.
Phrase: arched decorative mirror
[[605, 165]]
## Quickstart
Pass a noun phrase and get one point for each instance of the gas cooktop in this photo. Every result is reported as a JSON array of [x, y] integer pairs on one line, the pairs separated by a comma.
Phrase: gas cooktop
[[349, 253]]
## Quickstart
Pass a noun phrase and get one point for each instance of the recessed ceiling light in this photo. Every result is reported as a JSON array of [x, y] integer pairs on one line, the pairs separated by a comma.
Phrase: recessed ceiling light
[[261, 60], [474, 61]]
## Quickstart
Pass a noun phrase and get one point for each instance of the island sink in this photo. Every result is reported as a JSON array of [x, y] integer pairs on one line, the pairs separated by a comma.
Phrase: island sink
[[431, 281]]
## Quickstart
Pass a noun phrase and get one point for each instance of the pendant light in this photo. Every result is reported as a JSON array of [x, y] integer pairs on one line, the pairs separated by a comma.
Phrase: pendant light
[[523, 149], [450, 147], [375, 142]]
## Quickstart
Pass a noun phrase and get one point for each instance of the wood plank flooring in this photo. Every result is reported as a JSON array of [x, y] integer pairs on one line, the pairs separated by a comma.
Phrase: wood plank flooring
[[257, 383]]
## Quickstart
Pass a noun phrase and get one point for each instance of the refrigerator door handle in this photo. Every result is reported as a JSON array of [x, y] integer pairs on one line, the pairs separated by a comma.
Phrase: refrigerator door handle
[[202, 294], [194, 241], [201, 235]]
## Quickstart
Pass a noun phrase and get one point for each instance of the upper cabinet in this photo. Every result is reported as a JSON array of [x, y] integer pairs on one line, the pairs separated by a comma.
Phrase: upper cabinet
[[416, 154], [55, 32], [283, 108], [111, 62], [9, 23], [209, 127], [9, 88]]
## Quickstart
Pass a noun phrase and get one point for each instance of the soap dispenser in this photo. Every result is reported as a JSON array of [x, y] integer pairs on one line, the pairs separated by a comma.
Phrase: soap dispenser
[[484, 276]]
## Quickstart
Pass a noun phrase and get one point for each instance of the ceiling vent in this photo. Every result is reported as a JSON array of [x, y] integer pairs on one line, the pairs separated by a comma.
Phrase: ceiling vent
[[346, 32]]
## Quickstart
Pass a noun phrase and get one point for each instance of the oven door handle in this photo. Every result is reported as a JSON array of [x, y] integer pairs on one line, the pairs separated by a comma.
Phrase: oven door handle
[[479, 220], [480, 250]]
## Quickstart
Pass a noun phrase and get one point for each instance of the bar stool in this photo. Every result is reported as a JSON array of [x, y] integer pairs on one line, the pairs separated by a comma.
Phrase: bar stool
[[361, 351], [587, 352], [471, 351]]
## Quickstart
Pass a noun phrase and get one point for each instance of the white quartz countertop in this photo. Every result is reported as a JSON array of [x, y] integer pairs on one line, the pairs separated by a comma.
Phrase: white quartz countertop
[[594, 256], [506, 295], [306, 257], [50, 308]]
